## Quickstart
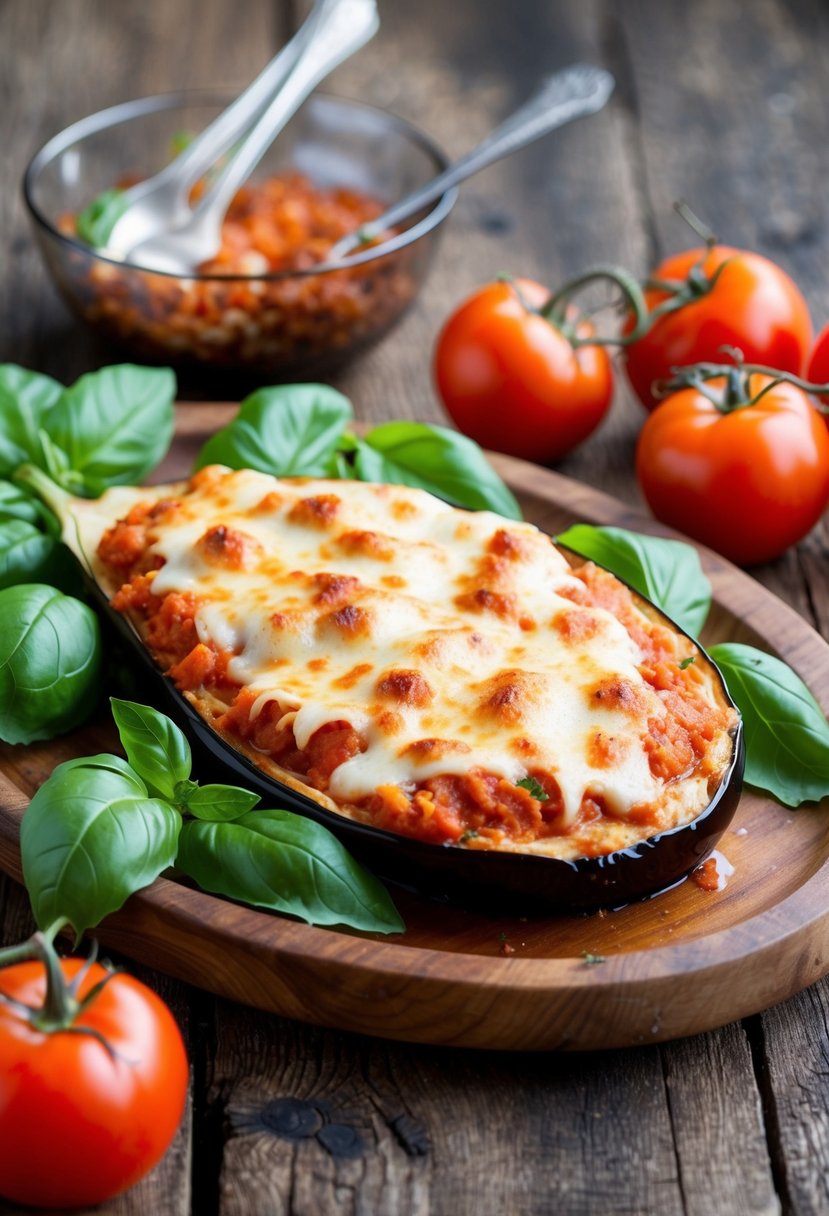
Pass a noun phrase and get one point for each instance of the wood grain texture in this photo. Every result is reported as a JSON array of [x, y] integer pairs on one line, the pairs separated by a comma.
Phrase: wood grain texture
[[409, 1118]]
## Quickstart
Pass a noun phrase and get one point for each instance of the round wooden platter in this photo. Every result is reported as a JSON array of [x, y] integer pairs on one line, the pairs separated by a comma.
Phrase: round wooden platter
[[681, 963]]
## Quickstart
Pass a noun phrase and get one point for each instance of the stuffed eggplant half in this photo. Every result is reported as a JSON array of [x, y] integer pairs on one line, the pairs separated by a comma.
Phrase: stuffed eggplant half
[[476, 714]]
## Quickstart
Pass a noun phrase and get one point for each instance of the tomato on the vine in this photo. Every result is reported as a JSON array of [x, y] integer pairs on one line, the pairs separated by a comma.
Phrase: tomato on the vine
[[88, 1108], [517, 380], [739, 461], [707, 299]]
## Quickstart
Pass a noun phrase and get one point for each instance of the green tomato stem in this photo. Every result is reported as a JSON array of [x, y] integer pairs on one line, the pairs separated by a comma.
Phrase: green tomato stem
[[555, 310], [737, 394], [693, 221], [61, 1006]]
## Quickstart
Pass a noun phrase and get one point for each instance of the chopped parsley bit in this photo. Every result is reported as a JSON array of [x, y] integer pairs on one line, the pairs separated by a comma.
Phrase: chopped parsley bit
[[590, 960], [535, 788], [687, 662], [469, 834], [502, 937]]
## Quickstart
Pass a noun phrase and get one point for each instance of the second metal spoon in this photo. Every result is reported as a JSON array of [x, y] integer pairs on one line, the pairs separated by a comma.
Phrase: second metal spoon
[[571, 93]]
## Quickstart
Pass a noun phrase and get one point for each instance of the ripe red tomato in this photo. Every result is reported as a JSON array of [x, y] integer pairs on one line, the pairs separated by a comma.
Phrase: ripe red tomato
[[749, 482], [753, 306], [80, 1121], [513, 382], [818, 372]]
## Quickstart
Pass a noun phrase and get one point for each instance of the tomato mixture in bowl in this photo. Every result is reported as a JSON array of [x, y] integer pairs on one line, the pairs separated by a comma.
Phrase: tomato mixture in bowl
[[268, 302]]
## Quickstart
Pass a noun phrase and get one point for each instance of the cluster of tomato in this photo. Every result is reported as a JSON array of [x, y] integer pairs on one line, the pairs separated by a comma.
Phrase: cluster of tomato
[[734, 452]]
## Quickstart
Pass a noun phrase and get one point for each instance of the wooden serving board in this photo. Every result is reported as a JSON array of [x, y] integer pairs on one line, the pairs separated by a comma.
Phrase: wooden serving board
[[683, 962]]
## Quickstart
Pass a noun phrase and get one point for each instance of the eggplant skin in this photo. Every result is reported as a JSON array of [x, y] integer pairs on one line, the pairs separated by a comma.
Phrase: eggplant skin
[[488, 880]]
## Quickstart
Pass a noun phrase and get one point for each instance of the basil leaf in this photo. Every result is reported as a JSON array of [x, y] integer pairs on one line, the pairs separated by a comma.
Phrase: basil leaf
[[17, 503], [436, 459], [114, 425], [786, 732], [90, 838], [219, 803], [50, 662], [54, 461], [26, 399], [292, 430], [183, 790], [278, 860], [667, 572], [95, 223], [155, 747], [25, 552]]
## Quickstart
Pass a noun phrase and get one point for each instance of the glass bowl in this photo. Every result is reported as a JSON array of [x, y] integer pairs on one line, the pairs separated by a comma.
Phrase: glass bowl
[[279, 323]]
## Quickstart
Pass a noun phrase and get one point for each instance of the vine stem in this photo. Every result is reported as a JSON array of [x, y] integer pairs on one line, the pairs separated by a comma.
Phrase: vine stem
[[33, 947], [738, 382], [555, 309]]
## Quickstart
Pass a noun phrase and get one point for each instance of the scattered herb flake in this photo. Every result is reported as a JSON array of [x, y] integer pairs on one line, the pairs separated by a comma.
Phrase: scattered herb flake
[[535, 788], [591, 960], [686, 662]]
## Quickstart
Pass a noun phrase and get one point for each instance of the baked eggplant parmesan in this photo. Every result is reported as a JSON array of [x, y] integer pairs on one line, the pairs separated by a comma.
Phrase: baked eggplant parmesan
[[427, 674]]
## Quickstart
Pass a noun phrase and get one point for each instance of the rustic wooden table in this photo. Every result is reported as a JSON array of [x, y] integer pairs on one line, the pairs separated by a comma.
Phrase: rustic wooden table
[[720, 102]]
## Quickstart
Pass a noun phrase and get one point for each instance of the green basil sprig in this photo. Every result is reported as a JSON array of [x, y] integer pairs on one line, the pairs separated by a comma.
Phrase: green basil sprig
[[300, 430], [101, 828], [50, 662], [667, 572], [786, 731], [111, 427]]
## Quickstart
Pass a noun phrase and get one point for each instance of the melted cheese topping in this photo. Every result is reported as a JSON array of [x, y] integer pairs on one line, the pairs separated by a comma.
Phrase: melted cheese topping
[[446, 638]]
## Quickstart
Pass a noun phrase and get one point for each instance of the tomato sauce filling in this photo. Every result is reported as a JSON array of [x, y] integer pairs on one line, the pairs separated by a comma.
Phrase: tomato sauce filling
[[477, 809]]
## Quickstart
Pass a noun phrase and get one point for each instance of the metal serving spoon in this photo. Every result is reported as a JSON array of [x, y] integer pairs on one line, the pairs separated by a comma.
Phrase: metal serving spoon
[[162, 201], [571, 93], [190, 235]]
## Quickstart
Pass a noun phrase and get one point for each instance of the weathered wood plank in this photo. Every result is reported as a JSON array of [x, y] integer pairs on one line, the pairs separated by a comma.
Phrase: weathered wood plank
[[793, 1046], [323, 1123], [715, 1104]]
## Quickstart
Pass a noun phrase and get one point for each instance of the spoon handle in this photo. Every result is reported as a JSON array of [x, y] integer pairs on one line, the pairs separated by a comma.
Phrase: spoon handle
[[163, 201], [571, 93], [341, 28]]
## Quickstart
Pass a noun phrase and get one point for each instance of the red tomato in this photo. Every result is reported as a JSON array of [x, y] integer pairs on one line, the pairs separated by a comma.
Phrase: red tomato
[[818, 372], [753, 306], [749, 482], [80, 1122], [512, 381]]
